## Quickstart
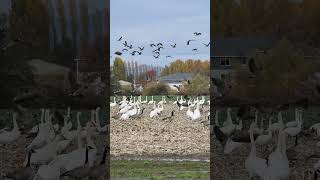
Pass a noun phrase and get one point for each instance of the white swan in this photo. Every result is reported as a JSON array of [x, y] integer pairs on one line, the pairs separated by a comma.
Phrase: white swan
[[196, 114], [278, 125], [97, 122], [264, 139], [47, 153], [189, 112], [278, 164], [75, 159], [175, 102], [152, 101], [295, 122], [228, 126], [7, 137], [295, 130], [255, 165], [114, 103], [154, 112]]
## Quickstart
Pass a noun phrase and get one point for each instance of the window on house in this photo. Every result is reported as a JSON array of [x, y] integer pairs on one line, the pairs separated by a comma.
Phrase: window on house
[[222, 62], [227, 62]]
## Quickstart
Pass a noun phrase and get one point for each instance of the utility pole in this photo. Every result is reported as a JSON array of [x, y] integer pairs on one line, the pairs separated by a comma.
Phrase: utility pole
[[77, 67]]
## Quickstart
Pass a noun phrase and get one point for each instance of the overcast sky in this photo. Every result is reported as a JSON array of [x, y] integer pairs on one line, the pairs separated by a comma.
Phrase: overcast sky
[[142, 22]]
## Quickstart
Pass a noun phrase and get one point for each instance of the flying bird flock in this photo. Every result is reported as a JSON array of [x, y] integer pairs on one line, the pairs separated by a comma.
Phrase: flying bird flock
[[156, 48]]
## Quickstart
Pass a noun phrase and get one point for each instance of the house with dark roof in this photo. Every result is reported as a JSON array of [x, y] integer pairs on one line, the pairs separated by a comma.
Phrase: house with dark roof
[[227, 53], [230, 52], [176, 79]]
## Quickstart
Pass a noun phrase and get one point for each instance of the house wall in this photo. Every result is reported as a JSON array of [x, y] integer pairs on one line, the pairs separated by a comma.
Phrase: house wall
[[171, 85], [219, 69], [57, 80], [234, 61], [218, 72]]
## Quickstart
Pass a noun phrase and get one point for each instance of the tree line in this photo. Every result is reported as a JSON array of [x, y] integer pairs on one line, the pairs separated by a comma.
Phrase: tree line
[[296, 19], [189, 66], [42, 27], [131, 70]]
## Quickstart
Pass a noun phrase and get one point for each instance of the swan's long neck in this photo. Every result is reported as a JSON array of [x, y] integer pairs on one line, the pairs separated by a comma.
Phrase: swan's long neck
[[253, 145], [92, 115], [87, 154], [256, 117], [14, 120], [68, 113], [29, 157], [98, 118], [217, 118], [284, 146], [297, 115], [88, 138], [279, 143], [229, 116], [103, 161], [42, 116]]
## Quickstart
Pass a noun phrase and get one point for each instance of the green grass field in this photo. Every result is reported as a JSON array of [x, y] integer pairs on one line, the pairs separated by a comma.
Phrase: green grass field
[[158, 170]]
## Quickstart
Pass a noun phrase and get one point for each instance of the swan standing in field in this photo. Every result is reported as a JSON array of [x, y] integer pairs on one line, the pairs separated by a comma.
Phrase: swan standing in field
[[295, 130], [114, 103], [160, 108], [265, 139], [175, 102], [47, 153], [7, 137], [125, 109], [154, 112], [228, 126], [189, 112], [256, 129], [181, 100], [145, 101], [254, 165], [278, 164], [46, 133], [97, 122], [161, 102], [152, 101], [276, 126], [125, 116], [201, 102], [75, 158], [196, 114], [296, 121]]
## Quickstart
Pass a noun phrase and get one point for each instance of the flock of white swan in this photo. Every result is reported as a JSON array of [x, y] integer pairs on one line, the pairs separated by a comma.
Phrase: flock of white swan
[[131, 107], [276, 167], [46, 159]]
